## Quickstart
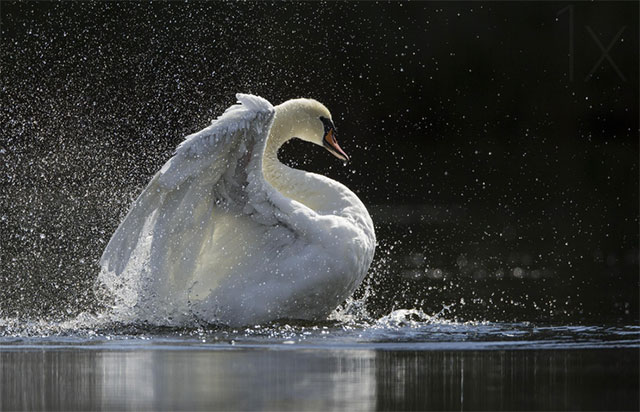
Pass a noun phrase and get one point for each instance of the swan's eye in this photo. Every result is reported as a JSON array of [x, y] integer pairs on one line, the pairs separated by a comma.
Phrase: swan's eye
[[328, 125]]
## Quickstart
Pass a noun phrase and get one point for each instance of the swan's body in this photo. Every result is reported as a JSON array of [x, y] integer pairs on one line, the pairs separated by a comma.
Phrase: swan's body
[[227, 233]]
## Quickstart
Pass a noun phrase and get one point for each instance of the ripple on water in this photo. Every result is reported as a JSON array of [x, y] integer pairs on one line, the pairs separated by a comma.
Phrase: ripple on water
[[405, 329]]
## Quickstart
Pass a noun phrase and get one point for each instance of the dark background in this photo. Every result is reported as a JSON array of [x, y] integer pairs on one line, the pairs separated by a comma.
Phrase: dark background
[[502, 178]]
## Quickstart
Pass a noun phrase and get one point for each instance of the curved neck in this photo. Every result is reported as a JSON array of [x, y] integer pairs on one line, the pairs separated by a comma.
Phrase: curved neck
[[276, 173], [281, 131], [317, 192], [292, 183]]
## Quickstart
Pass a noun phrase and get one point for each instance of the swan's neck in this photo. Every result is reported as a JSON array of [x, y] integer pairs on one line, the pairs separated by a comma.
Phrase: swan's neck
[[285, 179], [281, 131], [307, 188], [319, 193]]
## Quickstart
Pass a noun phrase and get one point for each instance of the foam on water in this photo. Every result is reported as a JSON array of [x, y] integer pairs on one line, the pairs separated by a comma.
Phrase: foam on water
[[403, 329]]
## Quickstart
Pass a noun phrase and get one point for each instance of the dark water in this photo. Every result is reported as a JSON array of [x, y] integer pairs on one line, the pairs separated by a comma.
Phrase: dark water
[[395, 364]]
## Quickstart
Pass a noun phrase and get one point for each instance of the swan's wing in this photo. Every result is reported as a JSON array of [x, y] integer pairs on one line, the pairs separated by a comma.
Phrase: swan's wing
[[217, 167], [213, 148]]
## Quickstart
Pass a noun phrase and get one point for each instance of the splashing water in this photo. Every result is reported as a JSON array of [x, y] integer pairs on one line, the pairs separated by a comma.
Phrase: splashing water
[[350, 326], [359, 321], [73, 158]]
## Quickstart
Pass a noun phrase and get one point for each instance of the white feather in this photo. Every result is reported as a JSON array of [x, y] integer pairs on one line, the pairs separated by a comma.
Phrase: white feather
[[210, 237]]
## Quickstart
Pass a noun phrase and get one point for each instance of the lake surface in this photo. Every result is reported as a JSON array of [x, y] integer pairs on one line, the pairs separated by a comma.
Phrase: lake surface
[[396, 364]]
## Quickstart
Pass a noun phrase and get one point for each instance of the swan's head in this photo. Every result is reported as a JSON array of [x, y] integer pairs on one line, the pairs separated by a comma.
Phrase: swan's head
[[311, 121]]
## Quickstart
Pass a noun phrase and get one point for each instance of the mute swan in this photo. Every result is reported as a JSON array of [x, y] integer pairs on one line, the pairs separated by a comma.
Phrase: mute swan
[[227, 233]]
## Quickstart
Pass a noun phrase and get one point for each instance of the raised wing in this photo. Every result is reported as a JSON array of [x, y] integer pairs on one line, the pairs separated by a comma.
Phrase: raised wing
[[212, 148], [217, 167]]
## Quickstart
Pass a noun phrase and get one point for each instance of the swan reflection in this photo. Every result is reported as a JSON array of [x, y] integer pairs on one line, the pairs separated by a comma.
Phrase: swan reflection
[[238, 379], [276, 378]]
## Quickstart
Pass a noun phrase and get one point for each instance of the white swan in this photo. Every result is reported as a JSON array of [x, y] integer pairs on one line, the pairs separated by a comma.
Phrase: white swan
[[228, 233]]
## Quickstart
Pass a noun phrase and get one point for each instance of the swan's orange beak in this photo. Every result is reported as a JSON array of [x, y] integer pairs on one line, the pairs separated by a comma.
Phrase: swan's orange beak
[[331, 144]]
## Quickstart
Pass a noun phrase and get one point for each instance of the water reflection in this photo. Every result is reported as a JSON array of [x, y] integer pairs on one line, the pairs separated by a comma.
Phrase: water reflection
[[258, 379], [538, 380]]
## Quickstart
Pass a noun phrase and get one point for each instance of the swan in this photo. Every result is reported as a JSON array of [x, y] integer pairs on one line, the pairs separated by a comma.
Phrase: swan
[[227, 233]]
